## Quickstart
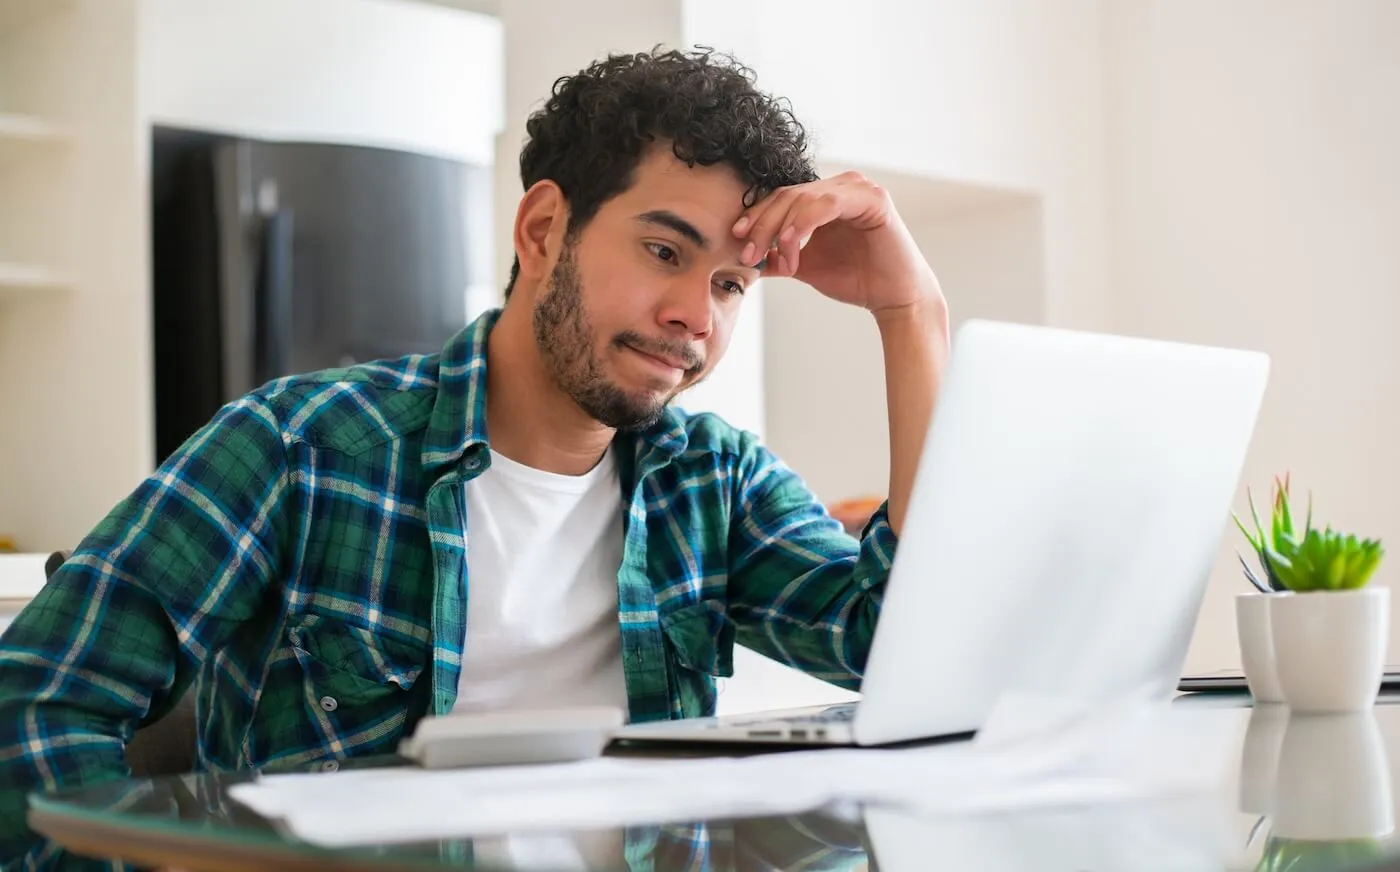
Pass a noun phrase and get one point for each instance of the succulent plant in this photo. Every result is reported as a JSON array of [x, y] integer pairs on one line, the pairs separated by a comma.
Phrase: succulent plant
[[1308, 559], [1296, 855]]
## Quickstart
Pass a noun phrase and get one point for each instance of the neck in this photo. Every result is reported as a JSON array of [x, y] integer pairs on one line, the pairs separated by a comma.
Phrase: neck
[[529, 419]]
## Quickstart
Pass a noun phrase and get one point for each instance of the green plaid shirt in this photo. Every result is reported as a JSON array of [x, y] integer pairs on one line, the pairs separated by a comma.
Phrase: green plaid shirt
[[300, 563]]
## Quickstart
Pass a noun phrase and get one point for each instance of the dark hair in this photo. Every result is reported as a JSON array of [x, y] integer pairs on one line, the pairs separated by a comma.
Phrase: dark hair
[[589, 136]]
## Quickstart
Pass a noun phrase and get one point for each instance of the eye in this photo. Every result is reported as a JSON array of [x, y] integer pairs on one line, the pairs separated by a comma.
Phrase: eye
[[663, 252], [730, 287]]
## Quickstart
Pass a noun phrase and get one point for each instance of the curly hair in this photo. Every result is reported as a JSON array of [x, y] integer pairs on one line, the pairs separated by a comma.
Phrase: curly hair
[[590, 135]]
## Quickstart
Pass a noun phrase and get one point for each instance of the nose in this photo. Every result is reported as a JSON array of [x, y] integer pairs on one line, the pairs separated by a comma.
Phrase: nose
[[688, 307]]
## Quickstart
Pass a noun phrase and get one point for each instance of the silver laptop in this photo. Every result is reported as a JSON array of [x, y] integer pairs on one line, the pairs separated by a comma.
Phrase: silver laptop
[[1070, 501]]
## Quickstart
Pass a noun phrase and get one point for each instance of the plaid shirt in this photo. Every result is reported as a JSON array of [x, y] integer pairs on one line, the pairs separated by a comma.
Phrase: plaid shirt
[[300, 563]]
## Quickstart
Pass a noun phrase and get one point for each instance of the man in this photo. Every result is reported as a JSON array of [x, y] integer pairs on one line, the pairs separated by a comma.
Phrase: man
[[522, 520]]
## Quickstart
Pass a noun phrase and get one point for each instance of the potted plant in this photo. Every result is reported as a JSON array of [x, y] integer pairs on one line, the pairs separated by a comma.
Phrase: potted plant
[[1252, 622], [1329, 636]]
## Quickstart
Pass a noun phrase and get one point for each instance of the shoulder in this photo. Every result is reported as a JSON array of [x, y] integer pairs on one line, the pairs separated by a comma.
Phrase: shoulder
[[355, 408], [712, 441]]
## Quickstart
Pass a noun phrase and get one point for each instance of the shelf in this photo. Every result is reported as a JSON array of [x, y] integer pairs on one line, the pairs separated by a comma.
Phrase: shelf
[[15, 14], [27, 128], [18, 278], [24, 133]]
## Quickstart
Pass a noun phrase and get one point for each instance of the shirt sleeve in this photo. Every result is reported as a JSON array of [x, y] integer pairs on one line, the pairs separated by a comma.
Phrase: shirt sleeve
[[118, 632], [801, 590]]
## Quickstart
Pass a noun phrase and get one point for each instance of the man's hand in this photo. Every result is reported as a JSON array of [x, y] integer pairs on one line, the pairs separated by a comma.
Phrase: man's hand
[[843, 237]]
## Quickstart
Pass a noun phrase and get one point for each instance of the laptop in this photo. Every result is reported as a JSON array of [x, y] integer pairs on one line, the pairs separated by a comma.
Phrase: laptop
[[1070, 501], [1233, 681]]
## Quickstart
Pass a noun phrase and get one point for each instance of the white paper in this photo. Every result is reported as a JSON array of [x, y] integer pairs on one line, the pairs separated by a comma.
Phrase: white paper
[[1024, 758], [21, 575]]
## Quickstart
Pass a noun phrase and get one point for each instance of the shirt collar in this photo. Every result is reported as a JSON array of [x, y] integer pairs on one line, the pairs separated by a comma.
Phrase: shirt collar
[[457, 427]]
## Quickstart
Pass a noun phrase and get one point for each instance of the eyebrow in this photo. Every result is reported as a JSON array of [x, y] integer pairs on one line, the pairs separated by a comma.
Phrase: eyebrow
[[670, 220]]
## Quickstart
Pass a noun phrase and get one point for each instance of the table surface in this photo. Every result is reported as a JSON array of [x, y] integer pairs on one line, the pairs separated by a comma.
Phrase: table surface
[[1304, 793]]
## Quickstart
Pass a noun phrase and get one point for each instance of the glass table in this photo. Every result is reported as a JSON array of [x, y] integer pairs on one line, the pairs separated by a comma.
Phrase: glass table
[[1305, 793]]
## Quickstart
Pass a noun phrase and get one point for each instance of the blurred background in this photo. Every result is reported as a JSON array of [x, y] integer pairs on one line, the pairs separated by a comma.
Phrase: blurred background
[[345, 171]]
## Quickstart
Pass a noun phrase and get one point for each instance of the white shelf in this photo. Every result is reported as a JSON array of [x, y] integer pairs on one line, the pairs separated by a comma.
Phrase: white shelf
[[27, 128], [15, 14], [19, 278], [24, 133]]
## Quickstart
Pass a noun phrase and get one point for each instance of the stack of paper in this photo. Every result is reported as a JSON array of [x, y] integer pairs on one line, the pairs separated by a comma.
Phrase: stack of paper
[[1029, 755]]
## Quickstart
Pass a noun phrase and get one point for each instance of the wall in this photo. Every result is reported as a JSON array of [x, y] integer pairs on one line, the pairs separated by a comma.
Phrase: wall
[[366, 72], [75, 364], [1255, 201]]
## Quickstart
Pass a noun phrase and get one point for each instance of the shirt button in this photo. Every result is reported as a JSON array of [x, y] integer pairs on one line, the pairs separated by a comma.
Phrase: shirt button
[[329, 704], [473, 464], [330, 765]]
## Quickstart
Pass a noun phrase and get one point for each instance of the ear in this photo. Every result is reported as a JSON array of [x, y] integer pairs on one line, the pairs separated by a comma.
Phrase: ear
[[540, 222]]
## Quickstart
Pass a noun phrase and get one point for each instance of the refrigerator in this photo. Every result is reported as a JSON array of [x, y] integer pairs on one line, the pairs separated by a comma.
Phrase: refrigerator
[[278, 258]]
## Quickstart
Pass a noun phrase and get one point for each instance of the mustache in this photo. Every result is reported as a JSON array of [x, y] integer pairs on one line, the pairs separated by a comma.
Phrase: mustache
[[694, 361]]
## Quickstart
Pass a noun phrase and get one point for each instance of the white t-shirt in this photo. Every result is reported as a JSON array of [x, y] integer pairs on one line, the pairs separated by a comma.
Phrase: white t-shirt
[[543, 553]]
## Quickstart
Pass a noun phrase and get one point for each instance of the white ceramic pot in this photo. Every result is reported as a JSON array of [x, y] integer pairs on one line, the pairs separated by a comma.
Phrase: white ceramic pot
[[1333, 779], [1257, 645], [1330, 647]]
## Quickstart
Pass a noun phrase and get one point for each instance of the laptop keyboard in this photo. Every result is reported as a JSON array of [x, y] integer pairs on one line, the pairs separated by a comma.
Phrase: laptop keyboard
[[837, 714]]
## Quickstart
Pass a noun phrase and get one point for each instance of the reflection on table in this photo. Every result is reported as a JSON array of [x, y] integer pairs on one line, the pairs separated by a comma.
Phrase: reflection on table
[[1321, 787]]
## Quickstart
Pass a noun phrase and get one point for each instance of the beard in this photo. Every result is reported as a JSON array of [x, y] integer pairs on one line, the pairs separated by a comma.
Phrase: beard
[[566, 342]]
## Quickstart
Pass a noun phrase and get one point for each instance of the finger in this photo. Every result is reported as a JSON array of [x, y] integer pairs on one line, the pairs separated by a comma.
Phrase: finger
[[816, 213], [806, 216], [787, 244], [777, 266], [763, 233], [753, 213]]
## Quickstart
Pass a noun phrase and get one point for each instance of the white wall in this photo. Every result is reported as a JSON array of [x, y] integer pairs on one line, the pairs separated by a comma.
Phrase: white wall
[[1255, 201], [365, 72]]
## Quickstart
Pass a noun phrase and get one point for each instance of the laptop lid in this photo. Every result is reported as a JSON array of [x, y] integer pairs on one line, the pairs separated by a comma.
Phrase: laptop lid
[[1068, 508]]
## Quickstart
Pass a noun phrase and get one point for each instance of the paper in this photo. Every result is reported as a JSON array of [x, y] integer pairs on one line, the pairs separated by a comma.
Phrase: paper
[[1022, 759], [21, 575]]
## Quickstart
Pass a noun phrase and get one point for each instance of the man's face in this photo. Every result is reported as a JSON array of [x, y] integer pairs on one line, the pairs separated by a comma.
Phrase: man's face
[[642, 304]]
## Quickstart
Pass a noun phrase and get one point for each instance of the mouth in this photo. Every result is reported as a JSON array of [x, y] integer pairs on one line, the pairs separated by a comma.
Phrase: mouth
[[669, 367]]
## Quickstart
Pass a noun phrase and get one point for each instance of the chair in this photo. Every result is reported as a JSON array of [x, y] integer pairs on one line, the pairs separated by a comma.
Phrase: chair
[[165, 747]]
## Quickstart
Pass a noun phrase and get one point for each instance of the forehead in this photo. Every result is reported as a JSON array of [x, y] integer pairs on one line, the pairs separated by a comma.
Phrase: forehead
[[661, 181]]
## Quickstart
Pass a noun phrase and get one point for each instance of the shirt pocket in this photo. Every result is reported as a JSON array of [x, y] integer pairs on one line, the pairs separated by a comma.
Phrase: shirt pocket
[[352, 665], [338, 690], [701, 641]]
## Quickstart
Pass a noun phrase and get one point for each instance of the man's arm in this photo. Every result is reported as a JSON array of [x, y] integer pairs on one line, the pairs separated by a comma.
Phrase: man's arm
[[915, 341], [800, 590], [844, 237], [798, 593], [118, 632]]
